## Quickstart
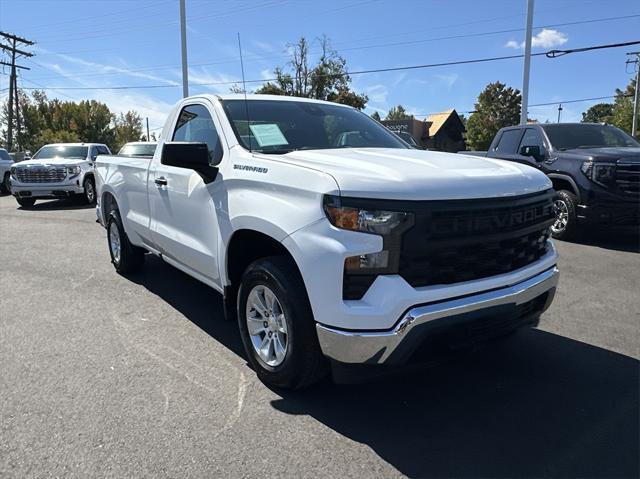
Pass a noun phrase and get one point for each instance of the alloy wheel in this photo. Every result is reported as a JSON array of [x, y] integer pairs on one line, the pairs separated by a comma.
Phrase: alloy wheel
[[267, 325], [114, 243], [561, 211]]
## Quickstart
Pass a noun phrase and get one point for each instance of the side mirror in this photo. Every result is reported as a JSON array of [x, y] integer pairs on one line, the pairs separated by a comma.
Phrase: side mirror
[[532, 151], [189, 155]]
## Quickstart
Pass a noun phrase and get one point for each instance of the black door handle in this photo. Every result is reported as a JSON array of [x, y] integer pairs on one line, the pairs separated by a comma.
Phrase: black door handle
[[162, 181]]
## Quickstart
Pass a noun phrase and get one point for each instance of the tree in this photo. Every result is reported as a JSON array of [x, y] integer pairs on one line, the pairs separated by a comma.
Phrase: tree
[[327, 80], [497, 107], [127, 127], [622, 114], [598, 113], [51, 121], [398, 113], [376, 116]]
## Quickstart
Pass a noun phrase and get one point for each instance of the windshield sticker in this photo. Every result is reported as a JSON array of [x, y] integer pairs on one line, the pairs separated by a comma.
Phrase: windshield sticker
[[268, 135]]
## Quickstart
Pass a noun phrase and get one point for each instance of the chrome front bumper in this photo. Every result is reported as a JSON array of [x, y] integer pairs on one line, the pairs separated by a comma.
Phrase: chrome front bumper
[[396, 345]]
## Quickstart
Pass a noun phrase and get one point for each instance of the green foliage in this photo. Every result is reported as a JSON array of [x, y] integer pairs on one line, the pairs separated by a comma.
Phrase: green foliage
[[376, 116], [497, 106], [327, 80], [127, 127], [53, 121], [622, 114], [598, 113], [398, 113]]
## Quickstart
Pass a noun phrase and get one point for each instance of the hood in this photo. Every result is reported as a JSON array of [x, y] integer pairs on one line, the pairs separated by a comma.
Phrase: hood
[[604, 154], [421, 175], [54, 162]]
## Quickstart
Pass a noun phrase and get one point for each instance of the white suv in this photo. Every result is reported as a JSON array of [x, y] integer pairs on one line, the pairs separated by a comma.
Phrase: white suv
[[60, 170]]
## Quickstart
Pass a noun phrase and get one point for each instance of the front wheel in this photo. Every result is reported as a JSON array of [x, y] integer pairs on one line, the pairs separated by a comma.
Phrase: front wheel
[[6, 183], [565, 207], [125, 257], [89, 186], [277, 326]]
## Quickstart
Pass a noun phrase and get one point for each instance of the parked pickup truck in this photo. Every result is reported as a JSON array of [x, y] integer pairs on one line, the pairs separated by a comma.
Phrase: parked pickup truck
[[595, 168], [60, 170], [360, 253], [141, 149]]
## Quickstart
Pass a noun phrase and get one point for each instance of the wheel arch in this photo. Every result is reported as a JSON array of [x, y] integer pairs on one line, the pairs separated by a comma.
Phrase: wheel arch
[[108, 204], [246, 246], [564, 182]]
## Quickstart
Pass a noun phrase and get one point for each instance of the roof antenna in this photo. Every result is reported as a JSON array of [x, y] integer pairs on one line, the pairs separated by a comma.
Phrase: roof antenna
[[244, 89]]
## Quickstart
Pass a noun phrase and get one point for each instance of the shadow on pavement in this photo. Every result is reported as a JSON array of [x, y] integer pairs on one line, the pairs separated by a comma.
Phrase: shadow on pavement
[[615, 238], [536, 405], [63, 204], [198, 302]]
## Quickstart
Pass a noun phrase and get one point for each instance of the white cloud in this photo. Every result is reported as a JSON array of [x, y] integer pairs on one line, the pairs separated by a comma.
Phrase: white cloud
[[547, 38], [377, 93], [448, 79]]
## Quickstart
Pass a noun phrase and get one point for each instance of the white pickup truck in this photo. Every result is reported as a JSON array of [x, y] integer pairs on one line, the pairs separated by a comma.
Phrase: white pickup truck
[[330, 237], [59, 170]]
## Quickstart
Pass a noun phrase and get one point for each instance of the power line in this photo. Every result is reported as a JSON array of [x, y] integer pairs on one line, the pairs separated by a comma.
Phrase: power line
[[365, 47], [14, 97], [373, 70]]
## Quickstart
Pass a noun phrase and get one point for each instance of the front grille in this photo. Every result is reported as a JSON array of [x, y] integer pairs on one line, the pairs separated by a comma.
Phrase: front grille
[[41, 174], [628, 177], [463, 240]]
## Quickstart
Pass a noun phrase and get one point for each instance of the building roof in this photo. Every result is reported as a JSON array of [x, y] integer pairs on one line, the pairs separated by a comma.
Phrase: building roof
[[438, 120]]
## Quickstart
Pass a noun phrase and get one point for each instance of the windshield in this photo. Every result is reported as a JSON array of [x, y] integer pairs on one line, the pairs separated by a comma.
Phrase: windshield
[[60, 151], [4, 155], [570, 136], [138, 149], [279, 127]]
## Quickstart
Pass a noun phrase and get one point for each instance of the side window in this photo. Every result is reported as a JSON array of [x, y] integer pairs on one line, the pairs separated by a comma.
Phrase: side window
[[532, 137], [509, 141], [93, 152], [195, 124], [103, 150]]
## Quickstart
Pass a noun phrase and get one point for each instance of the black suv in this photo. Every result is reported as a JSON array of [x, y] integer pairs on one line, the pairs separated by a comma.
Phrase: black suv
[[595, 168]]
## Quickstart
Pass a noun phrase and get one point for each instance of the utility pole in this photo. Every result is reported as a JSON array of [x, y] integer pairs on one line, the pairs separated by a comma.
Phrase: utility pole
[[14, 97], [636, 97], [559, 110], [183, 41], [148, 137], [527, 64]]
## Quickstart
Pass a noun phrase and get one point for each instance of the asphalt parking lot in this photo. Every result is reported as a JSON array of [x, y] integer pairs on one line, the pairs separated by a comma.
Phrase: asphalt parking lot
[[104, 376]]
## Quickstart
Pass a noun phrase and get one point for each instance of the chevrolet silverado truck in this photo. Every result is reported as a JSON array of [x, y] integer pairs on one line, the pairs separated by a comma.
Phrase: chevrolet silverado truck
[[595, 168], [331, 240], [60, 170]]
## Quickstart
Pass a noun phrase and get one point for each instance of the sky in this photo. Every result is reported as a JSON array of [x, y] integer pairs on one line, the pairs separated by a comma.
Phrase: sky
[[95, 44]]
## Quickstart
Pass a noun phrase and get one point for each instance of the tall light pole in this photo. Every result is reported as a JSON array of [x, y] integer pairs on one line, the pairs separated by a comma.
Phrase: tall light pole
[[183, 41], [636, 97], [527, 64]]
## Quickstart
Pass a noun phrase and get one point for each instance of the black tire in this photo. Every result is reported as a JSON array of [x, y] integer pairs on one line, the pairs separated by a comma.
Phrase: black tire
[[303, 363], [26, 202], [6, 183], [130, 258], [89, 186], [566, 203]]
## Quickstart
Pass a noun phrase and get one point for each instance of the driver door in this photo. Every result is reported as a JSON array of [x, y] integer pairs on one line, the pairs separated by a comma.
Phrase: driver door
[[184, 220]]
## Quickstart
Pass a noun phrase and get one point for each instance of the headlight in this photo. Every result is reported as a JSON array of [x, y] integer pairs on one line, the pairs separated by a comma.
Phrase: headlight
[[13, 173], [601, 173], [362, 215], [364, 219], [73, 170]]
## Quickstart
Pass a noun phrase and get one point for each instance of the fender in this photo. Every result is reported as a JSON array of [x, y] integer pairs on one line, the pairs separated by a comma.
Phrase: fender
[[570, 180]]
